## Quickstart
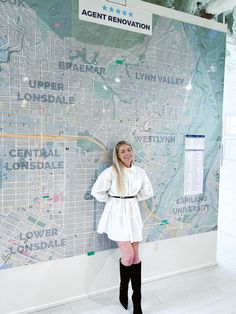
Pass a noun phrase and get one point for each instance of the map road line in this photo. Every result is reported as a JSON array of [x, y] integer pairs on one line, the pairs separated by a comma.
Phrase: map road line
[[56, 137]]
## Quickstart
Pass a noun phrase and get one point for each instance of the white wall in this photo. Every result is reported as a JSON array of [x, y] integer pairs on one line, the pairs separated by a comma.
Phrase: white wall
[[46, 284], [38, 286], [229, 109]]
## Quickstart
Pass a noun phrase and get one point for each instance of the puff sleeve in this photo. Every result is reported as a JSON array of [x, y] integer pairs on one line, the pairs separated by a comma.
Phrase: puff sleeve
[[146, 190], [102, 185]]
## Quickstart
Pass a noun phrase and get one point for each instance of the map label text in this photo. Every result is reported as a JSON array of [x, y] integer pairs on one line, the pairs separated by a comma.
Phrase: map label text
[[159, 78], [87, 68], [14, 2]]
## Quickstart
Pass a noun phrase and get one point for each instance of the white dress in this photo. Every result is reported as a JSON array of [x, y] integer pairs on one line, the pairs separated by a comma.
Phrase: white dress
[[121, 218]]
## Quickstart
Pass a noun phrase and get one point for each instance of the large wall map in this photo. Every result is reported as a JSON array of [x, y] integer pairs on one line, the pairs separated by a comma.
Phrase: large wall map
[[69, 90]]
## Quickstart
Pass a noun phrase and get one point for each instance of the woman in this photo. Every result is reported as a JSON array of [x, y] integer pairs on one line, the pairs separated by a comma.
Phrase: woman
[[121, 186]]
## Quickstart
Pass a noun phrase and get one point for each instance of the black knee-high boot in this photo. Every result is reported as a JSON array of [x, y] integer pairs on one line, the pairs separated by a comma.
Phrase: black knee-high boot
[[136, 286], [125, 274]]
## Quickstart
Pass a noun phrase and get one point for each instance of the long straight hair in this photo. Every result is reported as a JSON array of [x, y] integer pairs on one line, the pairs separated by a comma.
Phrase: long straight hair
[[119, 167]]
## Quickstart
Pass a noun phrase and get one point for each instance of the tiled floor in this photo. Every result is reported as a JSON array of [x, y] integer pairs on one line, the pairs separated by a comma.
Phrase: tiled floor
[[207, 291]]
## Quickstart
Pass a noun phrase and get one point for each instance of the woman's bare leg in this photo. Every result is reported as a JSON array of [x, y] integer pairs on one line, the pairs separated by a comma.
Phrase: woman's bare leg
[[136, 259], [127, 251]]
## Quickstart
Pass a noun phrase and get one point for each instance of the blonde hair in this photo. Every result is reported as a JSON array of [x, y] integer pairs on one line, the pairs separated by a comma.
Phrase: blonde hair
[[119, 167]]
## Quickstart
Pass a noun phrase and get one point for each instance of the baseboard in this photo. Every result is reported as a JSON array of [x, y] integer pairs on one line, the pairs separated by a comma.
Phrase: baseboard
[[182, 271], [81, 297]]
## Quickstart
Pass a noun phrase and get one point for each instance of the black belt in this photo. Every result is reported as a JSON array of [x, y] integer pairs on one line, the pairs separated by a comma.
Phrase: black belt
[[115, 196]]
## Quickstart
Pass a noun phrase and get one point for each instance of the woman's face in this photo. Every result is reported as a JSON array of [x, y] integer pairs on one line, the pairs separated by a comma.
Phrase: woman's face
[[126, 155]]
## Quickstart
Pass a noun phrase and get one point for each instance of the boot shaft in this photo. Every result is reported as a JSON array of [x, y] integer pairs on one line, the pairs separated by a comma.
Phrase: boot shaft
[[136, 276], [125, 275], [136, 286]]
